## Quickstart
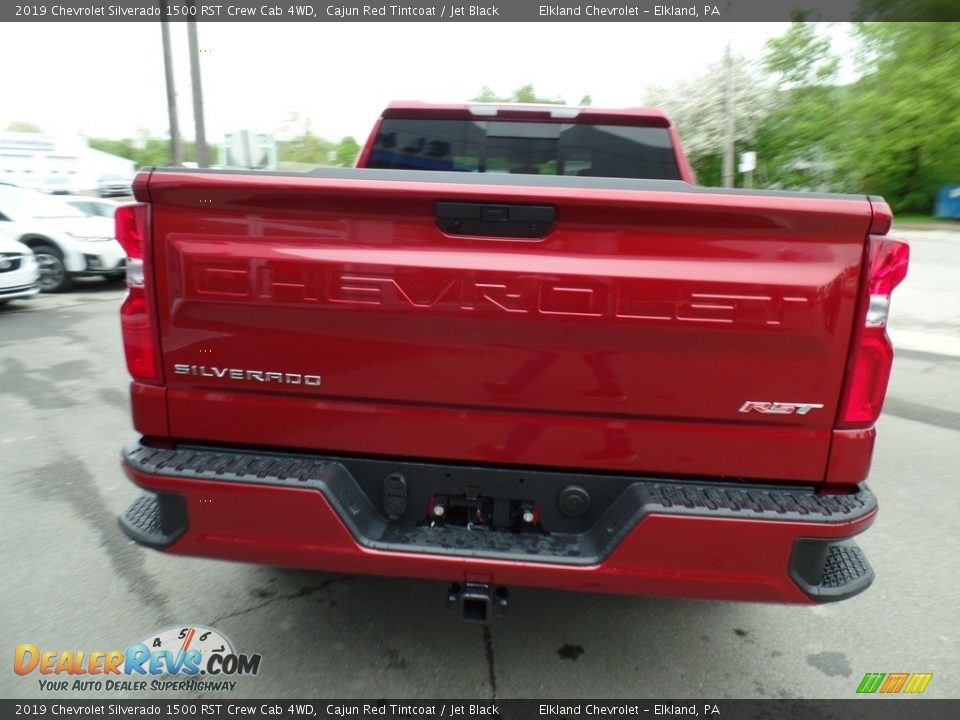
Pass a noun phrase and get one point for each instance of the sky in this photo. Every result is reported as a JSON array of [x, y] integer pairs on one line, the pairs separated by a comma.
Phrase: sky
[[106, 79]]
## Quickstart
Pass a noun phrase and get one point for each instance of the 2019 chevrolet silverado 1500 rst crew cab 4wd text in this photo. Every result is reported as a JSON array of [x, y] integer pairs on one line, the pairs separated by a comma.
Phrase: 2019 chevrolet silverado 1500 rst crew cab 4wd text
[[516, 346]]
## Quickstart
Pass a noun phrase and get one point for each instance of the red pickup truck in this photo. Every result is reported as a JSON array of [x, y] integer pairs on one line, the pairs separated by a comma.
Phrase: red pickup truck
[[515, 346]]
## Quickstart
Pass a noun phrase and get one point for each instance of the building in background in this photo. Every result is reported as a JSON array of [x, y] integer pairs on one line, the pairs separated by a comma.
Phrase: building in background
[[56, 164]]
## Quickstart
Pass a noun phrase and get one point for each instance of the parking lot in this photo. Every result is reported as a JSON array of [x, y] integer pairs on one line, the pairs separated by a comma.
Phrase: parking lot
[[72, 580]]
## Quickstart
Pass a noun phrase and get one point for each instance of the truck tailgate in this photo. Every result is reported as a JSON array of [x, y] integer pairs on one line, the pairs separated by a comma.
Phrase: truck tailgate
[[650, 330]]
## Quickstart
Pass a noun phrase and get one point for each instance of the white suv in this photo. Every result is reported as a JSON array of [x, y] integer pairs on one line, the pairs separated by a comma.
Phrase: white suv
[[66, 243], [19, 273]]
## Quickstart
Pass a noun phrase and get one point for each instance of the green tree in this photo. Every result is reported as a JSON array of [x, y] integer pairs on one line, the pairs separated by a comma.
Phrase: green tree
[[800, 139], [23, 126], [487, 95], [121, 148], [801, 57], [903, 118], [145, 151], [525, 94], [697, 106], [892, 132], [306, 147], [347, 151]]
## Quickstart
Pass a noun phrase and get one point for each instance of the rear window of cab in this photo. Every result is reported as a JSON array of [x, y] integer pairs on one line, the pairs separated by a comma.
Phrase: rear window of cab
[[531, 148]]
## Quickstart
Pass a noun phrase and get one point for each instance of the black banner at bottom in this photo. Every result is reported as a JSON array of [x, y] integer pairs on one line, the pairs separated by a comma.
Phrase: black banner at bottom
[[853, 709]]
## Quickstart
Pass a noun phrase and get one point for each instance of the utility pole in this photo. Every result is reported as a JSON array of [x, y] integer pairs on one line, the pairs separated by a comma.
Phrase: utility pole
[[729, 133], [176, 150], [203, 159]]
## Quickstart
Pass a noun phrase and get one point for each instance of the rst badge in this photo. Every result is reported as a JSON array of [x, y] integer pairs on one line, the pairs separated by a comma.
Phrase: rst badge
[[779, 408]]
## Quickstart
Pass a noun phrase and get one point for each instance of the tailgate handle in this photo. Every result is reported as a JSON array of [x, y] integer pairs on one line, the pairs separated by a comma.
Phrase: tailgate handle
[[489, 220]]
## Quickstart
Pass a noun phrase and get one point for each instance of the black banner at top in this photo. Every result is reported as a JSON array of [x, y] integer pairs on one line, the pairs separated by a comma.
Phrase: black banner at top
[[602, 11], [224, 709]]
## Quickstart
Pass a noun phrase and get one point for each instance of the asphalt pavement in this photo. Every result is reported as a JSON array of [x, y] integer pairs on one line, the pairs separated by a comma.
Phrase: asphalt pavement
[[69, 579]]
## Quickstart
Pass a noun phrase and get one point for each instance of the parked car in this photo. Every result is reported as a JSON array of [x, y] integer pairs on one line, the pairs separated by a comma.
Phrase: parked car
[[93, 207], [49, 184], [67, 243], [115, 185], [19, 272], [58, 185]]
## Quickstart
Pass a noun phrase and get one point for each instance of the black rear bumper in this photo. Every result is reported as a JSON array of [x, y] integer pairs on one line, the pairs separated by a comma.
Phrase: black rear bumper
[[383, 514]]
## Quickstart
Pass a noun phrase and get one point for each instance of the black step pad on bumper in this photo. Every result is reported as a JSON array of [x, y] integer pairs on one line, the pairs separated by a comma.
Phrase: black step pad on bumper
[[634, 499], [830, 570], [156, 520]]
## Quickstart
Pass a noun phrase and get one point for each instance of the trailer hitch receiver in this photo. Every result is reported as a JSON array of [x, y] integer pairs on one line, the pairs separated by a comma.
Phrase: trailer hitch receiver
[[477, 602]]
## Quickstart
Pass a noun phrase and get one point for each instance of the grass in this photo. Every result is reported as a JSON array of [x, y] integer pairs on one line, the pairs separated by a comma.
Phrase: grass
[[928, 222]]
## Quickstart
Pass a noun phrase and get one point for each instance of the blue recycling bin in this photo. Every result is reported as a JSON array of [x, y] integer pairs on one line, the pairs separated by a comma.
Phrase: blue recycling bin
[[948, 202]]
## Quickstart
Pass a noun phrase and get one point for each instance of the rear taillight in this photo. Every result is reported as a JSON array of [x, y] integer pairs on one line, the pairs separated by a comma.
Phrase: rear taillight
[[131, 226], [872, 356], [136, 317]]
